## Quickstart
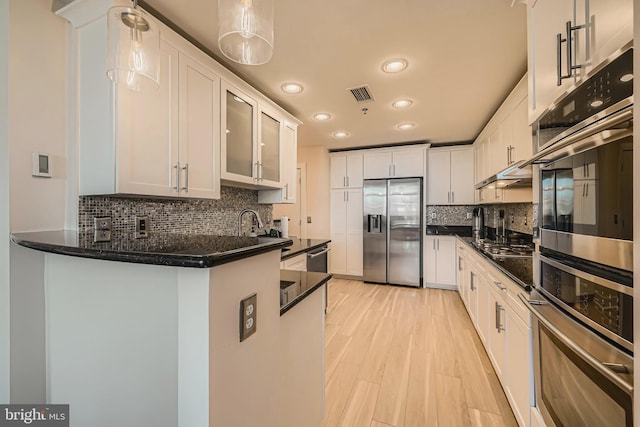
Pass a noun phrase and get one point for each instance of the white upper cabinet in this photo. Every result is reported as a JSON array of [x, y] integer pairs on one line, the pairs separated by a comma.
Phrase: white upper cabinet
[[199, 129], [509, 133], [346, 170], [394, 163], [546, 20], [239, 118], [591, 30], [167, 142], [147, 135], [269, 153], [289, 180], [251, 141], [450, 176], [505, 140]]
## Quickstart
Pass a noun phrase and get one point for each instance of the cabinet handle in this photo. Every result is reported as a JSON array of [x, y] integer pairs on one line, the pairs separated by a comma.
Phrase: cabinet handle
[[448, 196], [438, 244], [472, 285], [499, 285], [186, 177], [344, 181], [586, 187], [568, 39], [453, 197], [344, 196], [347, 181], [256, 175], [347, 195], [177, 168], [459, 263], [260, 172], [434, 244], [499, 326]]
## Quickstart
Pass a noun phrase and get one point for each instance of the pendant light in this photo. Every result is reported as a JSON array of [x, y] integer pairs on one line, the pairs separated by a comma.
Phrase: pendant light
[[245, 30], [133, 48]]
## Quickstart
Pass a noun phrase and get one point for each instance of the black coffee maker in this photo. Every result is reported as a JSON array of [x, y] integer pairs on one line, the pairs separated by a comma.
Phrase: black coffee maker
[[477, 230]]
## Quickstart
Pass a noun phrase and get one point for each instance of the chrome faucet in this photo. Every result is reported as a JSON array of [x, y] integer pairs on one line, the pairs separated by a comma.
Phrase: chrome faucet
[[255, 214]]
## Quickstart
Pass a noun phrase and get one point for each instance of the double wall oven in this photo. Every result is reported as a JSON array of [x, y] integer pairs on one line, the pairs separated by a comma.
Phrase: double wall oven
[[583, 301]]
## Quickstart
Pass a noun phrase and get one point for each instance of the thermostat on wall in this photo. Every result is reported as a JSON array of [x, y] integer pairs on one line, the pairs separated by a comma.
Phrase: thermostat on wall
[[40, 165]]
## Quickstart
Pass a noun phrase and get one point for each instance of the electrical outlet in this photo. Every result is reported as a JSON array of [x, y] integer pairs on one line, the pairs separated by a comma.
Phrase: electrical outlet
[[142, 227], [102, 229], [248, 316], [468, 215], [433, 215]]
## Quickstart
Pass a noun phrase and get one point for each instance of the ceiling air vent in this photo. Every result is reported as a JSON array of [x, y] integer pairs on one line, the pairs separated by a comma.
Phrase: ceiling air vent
[[361, 94]]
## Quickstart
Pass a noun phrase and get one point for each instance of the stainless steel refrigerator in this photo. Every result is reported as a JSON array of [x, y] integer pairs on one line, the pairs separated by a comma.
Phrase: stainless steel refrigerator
[[393, 230]]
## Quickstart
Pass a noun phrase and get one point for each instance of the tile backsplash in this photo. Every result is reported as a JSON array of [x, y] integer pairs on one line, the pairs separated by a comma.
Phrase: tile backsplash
[[520, 216], [189, 216], [449, 215]]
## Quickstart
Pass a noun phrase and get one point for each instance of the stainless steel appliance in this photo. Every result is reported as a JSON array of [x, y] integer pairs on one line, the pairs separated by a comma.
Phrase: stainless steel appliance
[[583, 303], [580, 379], [393, 224], [477, 230], [317, 261], [586, 146]]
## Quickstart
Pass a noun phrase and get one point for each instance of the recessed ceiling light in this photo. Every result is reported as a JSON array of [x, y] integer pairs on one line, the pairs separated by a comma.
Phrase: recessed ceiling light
[[322, 116], [626, 77], [402, 103], [340, 134], [394, 65], [405, 126], [292, 87], [597, 103]]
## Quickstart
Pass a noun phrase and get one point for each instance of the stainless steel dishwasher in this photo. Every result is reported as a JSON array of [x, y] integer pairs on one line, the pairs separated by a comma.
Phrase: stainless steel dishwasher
[[317, 261]]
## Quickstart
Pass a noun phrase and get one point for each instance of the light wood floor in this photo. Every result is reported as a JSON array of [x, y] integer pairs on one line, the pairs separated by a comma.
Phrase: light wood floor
[[399, 356]]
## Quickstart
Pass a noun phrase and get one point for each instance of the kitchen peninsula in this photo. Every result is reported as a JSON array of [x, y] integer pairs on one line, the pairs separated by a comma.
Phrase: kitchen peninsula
[[146, 331]]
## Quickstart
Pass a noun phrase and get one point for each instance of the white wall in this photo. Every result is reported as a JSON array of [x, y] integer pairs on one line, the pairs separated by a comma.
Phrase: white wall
[[318, 191], [4, 203], [37, 113]]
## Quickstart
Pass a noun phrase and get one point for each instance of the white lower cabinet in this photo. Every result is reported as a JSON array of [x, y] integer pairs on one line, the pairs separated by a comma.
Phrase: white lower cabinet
[[498, 334], [519, 387], [440, 261], [504, 327], [297, 263]]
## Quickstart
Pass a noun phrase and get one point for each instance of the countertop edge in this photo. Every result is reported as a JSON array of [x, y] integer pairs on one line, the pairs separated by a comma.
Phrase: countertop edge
[[154, 258], [305, 294], [291, 253]]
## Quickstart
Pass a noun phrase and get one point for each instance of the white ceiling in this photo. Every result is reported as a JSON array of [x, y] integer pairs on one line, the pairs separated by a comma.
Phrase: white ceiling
[[464, 57]]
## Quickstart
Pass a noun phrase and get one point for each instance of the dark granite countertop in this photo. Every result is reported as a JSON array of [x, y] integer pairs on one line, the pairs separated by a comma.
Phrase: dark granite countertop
[[449, 230], [297, 285], [301, 246], [171, 249], [520, 270]]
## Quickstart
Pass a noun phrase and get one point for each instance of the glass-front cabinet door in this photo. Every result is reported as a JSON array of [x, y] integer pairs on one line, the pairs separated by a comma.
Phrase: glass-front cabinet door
[[239, 120], [269, 148]]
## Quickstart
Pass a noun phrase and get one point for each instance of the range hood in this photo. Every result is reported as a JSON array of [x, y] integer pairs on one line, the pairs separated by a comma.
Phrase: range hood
[[515, 176]]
